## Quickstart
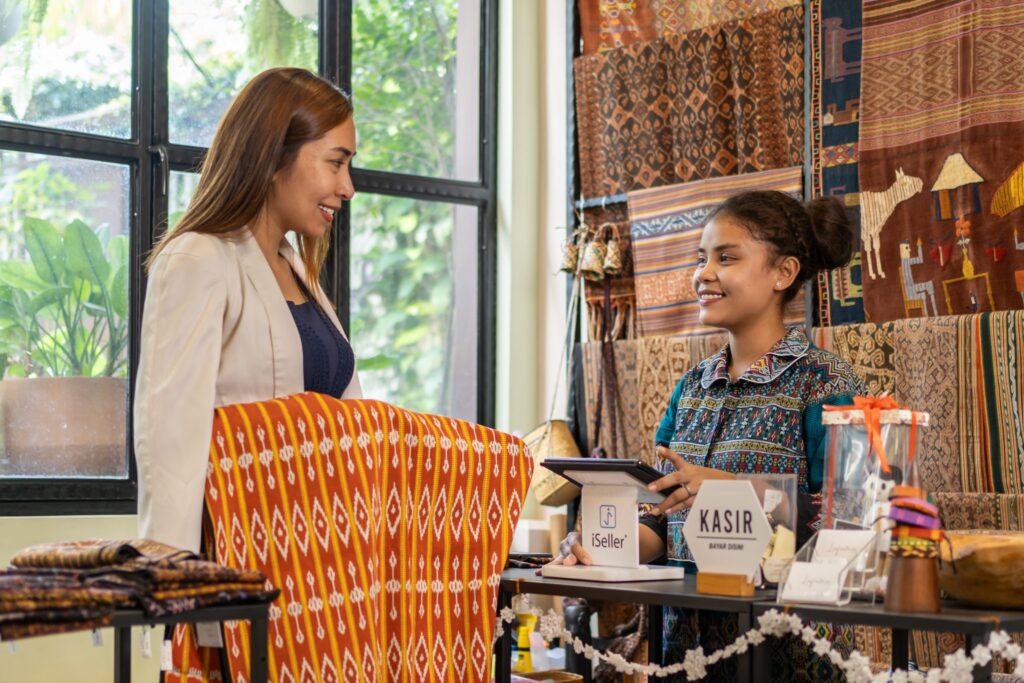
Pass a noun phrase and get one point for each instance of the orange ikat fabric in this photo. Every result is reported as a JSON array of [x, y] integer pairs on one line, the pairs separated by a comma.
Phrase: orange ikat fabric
[[386, 531]]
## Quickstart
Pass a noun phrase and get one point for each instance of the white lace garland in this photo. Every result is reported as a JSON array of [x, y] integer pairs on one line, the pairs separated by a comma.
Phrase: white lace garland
[[959, 667]]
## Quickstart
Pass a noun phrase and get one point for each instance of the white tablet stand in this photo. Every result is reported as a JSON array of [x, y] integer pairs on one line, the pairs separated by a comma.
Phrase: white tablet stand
[[611, 531]]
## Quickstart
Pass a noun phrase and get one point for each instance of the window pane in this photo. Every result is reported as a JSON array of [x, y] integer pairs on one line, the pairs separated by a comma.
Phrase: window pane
[[180, 189], [216, 47], [414, 303], [67, 65], [416, 81], [64, 306]]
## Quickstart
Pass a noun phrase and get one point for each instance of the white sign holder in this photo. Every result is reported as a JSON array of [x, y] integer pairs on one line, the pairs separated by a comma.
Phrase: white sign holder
[[727, 531], [611, 535]]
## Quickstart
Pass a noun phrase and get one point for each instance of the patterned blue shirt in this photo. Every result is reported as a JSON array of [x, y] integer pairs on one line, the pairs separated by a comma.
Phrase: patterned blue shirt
[[767, 421]]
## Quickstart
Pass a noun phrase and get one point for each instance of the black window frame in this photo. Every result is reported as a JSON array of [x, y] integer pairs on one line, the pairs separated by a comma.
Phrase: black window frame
[[150, 157]]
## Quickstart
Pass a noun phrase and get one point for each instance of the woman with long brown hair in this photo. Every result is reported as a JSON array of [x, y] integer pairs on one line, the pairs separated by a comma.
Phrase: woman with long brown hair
[[233, 313]]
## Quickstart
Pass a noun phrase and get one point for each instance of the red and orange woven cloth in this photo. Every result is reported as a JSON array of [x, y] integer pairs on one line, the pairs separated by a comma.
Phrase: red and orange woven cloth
[[386, 530]]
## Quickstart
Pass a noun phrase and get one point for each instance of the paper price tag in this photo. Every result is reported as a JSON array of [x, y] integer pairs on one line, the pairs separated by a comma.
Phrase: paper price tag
[[97, 638], [12, 647], [208, 634], [813, 582], [166, 663], [840, 545], [772, 498], [147, 646]]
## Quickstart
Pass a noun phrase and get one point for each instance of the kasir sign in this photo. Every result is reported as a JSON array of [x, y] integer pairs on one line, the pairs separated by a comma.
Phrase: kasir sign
[[727, 530]]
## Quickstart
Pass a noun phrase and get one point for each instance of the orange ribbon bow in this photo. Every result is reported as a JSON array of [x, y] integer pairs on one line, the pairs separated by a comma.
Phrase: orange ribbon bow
[[872, 407]]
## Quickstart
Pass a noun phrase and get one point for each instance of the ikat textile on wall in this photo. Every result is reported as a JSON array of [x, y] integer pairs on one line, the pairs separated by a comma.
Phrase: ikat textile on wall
[[720, 100], [942, 157], [622, 382], [869, 348], [666, 228], [386, 531], [609, 24], [966, 372], [990, 373], [996, 511], [648, 369], [834, 120], [926, 379]]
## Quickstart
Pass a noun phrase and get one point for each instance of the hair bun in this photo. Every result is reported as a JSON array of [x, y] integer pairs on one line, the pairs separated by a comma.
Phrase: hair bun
[[832, 232]]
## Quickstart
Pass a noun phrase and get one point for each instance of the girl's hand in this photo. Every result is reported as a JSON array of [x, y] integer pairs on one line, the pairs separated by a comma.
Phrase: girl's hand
[[688, 477], [570, 551]]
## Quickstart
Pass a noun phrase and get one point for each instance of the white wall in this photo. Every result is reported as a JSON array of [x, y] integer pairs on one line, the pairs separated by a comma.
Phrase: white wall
[[532, 203], [531, 207]]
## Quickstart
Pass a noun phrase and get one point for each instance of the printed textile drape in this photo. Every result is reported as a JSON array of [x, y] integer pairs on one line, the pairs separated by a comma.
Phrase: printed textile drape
[[608, 24], [942, 157], [666, 226], [720, 100], [386, 531], [647, 371], [835, 122], [966, 372]]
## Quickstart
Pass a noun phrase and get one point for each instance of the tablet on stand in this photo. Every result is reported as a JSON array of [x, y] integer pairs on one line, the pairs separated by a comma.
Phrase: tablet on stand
[[611, 492]]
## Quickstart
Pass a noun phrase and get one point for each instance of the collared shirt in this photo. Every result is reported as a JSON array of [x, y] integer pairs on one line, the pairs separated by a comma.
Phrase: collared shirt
[[767, 421]]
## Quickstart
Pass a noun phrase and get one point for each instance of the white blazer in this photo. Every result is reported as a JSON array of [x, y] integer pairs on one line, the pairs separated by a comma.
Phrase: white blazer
[[216, 330]]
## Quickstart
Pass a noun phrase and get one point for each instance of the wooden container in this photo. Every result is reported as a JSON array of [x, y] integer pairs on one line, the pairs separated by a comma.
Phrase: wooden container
[[988, 568], [913, 585], [556, 676]]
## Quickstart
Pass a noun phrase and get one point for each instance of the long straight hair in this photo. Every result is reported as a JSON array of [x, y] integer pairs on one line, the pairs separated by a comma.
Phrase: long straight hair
[[276, 113]]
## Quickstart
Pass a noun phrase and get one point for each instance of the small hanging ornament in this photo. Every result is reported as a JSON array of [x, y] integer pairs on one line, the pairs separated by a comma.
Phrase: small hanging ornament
[[613, 257], [570, 255], [592, 266]]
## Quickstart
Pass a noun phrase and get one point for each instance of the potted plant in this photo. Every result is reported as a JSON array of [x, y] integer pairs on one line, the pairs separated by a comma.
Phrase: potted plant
[[63, 352]]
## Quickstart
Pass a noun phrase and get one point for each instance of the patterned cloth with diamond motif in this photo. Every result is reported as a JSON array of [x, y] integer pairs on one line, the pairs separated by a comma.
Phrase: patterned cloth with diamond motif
[[387, 531], [720, 100]]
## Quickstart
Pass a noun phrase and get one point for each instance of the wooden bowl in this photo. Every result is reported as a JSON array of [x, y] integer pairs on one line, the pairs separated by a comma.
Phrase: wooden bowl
[[988, 568]]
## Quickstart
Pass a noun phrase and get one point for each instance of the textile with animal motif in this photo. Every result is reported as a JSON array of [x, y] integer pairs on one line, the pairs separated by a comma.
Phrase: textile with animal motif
[[942, 157], [721, 100], [666, 227], [386, 530]]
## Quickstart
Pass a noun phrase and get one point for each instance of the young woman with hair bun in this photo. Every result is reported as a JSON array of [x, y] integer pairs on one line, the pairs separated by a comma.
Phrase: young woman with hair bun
[[233, 313], [755, 406]]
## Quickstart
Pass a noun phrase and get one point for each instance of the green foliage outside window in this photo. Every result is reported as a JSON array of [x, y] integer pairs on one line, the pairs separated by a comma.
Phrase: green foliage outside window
[[64, 311], [404, 96]]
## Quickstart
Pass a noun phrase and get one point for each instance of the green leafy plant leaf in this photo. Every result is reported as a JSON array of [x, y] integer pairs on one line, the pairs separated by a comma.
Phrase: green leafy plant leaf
[[119, 291], [85, 253], [43, 243], [48, 297], [20, 275]]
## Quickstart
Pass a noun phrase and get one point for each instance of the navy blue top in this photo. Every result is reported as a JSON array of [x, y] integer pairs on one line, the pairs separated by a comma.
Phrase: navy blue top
[[328, 362]]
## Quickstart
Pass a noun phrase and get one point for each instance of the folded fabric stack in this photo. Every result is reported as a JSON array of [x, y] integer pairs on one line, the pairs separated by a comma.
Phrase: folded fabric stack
[[78, 584], [34, 602], [918, 530]]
